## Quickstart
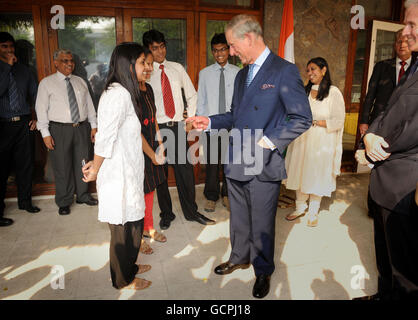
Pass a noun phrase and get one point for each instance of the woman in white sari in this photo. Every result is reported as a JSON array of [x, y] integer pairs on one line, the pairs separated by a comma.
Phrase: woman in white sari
[[313, 160]]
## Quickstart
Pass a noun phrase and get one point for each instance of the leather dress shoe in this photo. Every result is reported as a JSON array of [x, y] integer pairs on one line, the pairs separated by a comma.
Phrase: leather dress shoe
[[166, 221], [261, 286], [5, 222], [64, 210], [90, 202], [200, 218], [375, 297], [30, 208], [228, 267]]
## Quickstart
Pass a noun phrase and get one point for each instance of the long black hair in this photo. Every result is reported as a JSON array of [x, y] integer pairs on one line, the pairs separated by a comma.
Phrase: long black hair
[[326, 82], [122, 71]]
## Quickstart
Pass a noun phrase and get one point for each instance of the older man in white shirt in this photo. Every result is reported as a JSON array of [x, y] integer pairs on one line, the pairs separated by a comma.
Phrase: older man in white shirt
[[167, 81], [68, 124]]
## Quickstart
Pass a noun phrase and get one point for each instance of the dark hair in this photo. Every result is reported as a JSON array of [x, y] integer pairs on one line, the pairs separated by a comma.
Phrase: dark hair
[[122, 71], [218, 38], [5, 36], [147, 51], [326, 82], [152, 36]]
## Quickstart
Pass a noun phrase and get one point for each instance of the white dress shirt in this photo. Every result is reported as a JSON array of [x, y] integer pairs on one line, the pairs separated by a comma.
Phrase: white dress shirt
[[120, 181], [178, 78], [52, 102], [398, 66], [208, 90]]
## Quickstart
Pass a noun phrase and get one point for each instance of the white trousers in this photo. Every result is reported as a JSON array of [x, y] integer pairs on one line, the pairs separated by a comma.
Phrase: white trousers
[[302, 199]]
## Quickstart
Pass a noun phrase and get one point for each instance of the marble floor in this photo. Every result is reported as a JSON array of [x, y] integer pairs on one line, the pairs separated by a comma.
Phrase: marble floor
[[47, 256]]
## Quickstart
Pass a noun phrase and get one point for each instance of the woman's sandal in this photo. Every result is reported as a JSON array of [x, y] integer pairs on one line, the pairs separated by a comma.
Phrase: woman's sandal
[[157, 236], [139, 284], [143, 268], [145, 248], [294, 215], [312, 220]]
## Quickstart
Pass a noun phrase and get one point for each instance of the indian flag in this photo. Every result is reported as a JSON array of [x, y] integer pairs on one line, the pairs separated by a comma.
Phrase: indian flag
[[286, 46]]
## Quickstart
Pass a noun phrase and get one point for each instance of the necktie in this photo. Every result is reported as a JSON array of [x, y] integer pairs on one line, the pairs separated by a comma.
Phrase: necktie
[[13, 93], [249, 75], [413, 69], [401, 71], [222, 103], [167, 94], [75, 115]]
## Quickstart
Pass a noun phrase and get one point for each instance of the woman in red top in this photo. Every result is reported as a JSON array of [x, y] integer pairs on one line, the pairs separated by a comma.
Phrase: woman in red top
[[153, 155]]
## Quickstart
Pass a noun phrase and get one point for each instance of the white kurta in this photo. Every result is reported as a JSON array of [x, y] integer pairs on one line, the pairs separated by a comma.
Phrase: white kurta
[[120, 181], [313, 160]]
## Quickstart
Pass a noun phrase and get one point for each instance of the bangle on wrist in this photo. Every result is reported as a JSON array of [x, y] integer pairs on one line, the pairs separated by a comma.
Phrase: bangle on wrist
[[314, 123]]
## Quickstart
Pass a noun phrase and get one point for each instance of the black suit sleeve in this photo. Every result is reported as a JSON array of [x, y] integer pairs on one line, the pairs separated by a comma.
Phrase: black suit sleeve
[[371, 93]]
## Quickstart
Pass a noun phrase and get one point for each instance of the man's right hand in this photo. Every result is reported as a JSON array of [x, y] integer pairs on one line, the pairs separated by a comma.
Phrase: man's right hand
[[198, 122], [363, 128], [11, 59], [49, 143]]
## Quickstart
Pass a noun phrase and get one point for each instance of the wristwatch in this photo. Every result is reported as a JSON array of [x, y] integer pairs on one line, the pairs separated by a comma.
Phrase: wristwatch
[[314, 123]]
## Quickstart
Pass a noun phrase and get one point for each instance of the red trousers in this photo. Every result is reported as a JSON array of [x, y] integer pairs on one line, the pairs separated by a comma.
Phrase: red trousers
[[149, 203]]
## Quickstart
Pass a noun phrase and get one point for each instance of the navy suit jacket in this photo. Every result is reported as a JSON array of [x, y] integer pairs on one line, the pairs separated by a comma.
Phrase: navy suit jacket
[[276, 104]]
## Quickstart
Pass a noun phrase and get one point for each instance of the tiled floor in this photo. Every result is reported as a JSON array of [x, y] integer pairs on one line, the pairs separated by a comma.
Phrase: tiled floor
[[326, 262]]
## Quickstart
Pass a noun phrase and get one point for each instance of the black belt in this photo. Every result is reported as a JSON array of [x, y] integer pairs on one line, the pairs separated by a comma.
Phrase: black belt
[[170, 123], [68, 124], [15, 119]]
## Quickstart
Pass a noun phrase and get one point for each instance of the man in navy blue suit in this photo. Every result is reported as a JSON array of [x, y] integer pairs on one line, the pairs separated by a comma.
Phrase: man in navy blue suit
[[269, 110]]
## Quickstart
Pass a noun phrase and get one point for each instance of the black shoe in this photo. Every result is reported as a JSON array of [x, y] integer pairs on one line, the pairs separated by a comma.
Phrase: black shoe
[[64, 210], [200, 218], [5, 222], [30, 208], [90, 201], [372, 297], [166, 221], [229, 267], [261, 286]]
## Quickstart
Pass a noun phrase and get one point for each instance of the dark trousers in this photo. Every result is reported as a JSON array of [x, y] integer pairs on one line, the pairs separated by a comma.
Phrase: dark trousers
[[185, 182], [72, 145], [396, 245], [16, 148], [125, 242], [212, 182], [252, 223]]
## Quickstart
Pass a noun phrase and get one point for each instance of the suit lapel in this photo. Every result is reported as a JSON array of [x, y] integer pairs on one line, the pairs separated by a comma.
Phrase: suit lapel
[[261, 75], [393, 72], [400, 89]]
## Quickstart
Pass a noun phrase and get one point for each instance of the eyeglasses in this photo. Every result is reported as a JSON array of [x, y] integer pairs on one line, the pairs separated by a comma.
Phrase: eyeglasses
[[155, 48], [219, 50], [66, 61]]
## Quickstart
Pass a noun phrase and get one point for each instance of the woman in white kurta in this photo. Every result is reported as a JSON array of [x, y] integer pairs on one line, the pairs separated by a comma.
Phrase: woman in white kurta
[[313, 160], [119, 165]]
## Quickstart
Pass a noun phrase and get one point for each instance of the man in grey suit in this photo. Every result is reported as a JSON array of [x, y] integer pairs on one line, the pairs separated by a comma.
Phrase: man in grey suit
[[391, 144], [269, 110], [68, 124]]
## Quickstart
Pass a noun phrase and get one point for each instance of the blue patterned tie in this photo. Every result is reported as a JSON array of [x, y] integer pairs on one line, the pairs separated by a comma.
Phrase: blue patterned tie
[[13, 94], [75, 115], [249, 75]]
